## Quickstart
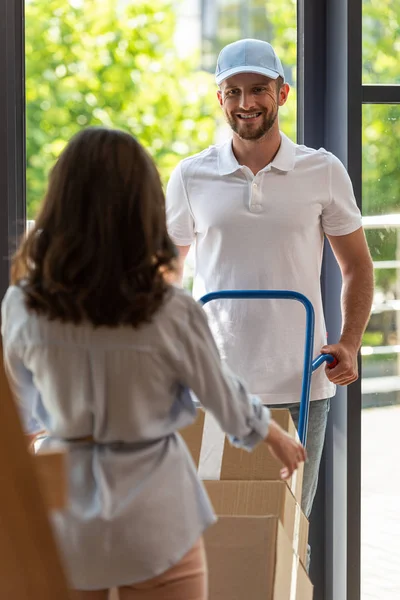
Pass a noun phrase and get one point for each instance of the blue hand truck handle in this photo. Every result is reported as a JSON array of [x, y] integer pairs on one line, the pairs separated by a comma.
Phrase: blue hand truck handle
[[309, 365]]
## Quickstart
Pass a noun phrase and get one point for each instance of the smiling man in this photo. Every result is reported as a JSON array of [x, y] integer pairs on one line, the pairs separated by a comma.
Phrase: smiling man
[[257, 209]]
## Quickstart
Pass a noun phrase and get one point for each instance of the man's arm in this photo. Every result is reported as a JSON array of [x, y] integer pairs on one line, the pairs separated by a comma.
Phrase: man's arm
[[183, 252], [354, 259]]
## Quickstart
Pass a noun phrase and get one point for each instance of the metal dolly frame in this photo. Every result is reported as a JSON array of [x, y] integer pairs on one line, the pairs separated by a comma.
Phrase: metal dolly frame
[[309, 365]]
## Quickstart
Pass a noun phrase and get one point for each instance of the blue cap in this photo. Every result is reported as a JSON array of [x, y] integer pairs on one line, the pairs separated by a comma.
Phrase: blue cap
[[248, 56]]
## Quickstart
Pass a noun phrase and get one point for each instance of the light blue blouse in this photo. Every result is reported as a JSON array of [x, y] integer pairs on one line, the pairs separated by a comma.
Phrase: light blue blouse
[[136, 504]]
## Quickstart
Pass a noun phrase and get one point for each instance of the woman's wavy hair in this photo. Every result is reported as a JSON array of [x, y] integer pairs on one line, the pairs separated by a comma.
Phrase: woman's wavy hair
[[99, 251]]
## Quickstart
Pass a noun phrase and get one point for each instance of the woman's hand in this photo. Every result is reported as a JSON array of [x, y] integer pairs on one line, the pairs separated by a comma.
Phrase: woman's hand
[[31, 439], [290, 452]]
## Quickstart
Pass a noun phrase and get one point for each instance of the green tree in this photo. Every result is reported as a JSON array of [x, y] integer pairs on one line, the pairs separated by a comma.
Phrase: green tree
[[111, 63], [381, 34]]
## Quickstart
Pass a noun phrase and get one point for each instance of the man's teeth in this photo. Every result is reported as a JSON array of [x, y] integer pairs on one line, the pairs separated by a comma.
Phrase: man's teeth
[[250, 116]]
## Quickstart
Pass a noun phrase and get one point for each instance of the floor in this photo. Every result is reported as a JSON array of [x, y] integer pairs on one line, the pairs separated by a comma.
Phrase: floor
[[380, 518]]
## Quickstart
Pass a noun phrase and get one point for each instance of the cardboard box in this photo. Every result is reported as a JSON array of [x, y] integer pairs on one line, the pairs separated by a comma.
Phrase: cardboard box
[[249, 557], [304, 527], [218, 459], [262, 498], [51, 470], [260, 464], [193, 435], [304, 587]]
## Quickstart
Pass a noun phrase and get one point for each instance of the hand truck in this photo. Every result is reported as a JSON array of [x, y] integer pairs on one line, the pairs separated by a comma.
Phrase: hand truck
[[309, 365]]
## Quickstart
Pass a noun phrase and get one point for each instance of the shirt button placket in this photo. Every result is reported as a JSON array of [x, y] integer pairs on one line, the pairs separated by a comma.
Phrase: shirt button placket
[[255, 204]]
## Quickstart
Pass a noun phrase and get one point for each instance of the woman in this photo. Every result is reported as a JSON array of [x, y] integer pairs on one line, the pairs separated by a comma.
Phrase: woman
[[102, 354]]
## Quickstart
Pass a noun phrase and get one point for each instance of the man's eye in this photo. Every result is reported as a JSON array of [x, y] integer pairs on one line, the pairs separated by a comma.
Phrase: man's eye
[[232, 92], [259, 90]]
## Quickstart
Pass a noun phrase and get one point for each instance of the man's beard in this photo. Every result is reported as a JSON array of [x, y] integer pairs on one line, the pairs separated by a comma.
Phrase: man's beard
[[266, 124]]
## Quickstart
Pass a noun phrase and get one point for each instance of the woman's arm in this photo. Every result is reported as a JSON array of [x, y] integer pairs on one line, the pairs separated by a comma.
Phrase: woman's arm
[[240, 414]]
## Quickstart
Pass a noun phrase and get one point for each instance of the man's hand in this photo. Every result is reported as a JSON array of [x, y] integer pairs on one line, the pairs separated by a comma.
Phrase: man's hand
[[346, 371]]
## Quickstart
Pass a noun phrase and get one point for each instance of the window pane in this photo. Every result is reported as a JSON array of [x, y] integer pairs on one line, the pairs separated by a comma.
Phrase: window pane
[[135, 66], [381, 357], [114, 63], [381, 41]]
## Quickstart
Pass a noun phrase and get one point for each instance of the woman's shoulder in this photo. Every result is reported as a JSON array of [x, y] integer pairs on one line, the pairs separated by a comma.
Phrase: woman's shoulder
[[183, 310], [14, 299], [13, 309], [180, 299]]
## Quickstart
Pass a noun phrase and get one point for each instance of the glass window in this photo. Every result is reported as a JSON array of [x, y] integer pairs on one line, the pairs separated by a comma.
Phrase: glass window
[[113, 63], [135, 65], [381, 41], [380, 547]]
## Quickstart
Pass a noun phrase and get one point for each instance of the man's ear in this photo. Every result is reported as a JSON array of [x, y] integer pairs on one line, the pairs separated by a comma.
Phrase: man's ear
[[219, 96], [283, 94]]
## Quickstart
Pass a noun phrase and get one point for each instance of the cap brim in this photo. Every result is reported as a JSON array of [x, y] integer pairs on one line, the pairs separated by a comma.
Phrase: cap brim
[[236, 70]]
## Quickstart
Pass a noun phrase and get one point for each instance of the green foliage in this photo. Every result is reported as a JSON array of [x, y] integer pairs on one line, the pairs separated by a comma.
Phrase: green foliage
[[381, 129], [381, 35], [381, 182], [115, 63], [372, 338], [381, 175], [111, 63]]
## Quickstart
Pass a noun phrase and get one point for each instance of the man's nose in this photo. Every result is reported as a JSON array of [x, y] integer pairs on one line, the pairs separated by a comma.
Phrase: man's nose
[[247, 101]]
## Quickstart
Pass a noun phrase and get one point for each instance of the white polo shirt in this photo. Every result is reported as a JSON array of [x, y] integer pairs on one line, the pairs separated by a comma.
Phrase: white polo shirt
[[262, 232]]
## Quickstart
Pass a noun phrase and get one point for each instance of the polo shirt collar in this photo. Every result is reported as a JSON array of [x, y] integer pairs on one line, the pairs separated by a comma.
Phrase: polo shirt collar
[[283, 161], [286, 155], [227, 162]]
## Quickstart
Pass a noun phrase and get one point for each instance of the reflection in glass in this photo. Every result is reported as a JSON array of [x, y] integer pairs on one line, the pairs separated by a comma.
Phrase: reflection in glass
[[381, 357]]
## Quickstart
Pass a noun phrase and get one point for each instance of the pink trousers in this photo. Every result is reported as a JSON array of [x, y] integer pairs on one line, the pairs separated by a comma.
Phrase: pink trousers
[[186, 580]]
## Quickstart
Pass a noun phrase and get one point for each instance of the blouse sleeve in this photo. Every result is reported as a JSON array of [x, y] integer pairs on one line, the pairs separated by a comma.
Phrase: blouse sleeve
[[239, 413], [19, 377]]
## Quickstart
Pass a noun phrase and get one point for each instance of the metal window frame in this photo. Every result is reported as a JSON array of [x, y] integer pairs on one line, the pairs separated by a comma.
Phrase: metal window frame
[[354, 165], [330, 115], [380, 94], [12, 132]]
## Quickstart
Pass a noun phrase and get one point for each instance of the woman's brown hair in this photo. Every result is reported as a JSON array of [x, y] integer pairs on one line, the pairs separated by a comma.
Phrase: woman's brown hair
[[99, 250]]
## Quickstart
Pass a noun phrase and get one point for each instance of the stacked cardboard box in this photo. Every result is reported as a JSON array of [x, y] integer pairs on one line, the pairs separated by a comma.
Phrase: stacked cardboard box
[[258, 548]]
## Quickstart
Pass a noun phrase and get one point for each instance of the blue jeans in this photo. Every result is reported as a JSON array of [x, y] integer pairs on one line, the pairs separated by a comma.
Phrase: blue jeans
[[317, 420]]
